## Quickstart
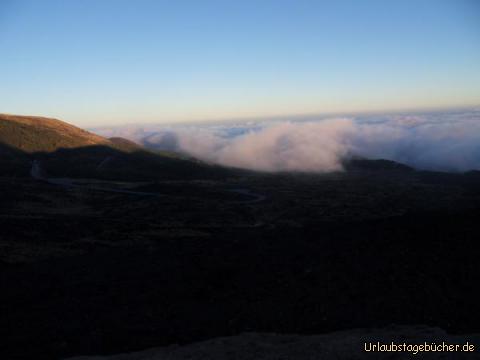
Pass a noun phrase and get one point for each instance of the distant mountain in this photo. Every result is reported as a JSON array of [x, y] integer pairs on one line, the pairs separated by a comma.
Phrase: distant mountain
[[359, 164], [65, 150]]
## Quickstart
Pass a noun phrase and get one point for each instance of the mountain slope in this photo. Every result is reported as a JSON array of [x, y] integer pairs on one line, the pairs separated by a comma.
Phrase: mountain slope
[[124, 144], [65, 150], [38, 134]]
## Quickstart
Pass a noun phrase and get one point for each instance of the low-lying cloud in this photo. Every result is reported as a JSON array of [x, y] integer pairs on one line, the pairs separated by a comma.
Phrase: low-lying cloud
[[436, 141]]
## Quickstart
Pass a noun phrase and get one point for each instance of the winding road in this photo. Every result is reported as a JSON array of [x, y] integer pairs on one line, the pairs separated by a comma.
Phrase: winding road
[[38, 173]]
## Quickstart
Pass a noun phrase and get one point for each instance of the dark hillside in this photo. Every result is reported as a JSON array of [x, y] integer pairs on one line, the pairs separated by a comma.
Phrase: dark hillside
[[13, 162], [104, 162]]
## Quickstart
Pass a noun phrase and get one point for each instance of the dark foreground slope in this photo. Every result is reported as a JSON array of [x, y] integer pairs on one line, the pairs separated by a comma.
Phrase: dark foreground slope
[[332, 346], [92, 272]]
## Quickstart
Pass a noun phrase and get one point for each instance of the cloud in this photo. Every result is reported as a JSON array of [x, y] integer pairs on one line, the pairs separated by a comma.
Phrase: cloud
[[448, 143], [436, 141]]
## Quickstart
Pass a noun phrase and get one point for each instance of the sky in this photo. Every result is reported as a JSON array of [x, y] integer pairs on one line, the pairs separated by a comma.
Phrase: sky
[[109, 62]]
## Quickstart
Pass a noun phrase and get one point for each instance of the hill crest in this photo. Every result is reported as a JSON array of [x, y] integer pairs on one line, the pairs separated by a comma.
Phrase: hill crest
[[39, 134]]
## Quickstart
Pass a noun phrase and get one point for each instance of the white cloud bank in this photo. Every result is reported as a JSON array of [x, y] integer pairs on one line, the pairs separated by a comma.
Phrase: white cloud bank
[[437, 141]]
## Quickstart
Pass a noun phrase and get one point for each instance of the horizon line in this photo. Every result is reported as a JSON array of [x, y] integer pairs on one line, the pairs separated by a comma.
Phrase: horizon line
[[294, 116]]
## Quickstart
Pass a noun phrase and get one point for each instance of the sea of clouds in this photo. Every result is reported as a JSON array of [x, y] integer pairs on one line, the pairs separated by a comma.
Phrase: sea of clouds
[[443, 141]]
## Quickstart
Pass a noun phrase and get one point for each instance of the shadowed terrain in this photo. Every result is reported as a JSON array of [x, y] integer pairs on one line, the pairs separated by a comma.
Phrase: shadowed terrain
[[185, 251]]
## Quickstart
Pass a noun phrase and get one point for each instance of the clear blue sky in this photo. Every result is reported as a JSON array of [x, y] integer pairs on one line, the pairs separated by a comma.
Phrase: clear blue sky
[[95, 62]]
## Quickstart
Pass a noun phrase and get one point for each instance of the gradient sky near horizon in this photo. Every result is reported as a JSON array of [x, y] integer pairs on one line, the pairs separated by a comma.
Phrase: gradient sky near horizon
[[106, 62]]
